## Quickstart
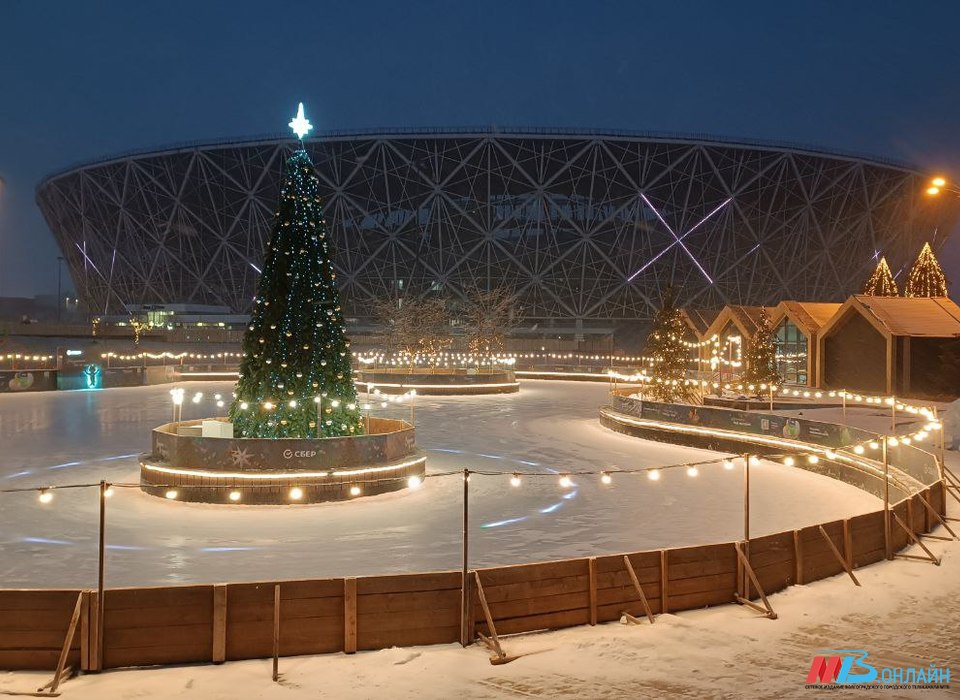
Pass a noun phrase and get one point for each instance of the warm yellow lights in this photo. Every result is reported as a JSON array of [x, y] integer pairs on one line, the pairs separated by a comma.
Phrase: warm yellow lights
[[692, 471], [414, 482], [653, 475], [296, 493], [933, 190], [45, 496], [515, 480], [813, 459], [606, 478], [789, 461], [566, 482], [171, 494], [234, 496], [355, 490], [938, 182], [858, 449], [728, 464]]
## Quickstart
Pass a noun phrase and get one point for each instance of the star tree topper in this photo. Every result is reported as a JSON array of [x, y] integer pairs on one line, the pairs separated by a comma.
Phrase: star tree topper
[[300, 124]]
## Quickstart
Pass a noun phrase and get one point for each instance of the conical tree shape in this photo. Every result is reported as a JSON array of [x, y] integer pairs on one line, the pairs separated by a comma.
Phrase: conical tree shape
[[296, 358], [881, 282], [668, 353], [926, 278], [761, 356]]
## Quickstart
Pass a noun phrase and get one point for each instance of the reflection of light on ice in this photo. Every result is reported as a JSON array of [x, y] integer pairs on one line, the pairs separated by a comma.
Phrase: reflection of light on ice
[[508, 521], [24, 473], [91, 461], [550, 509], [44, 540], [228, 549]]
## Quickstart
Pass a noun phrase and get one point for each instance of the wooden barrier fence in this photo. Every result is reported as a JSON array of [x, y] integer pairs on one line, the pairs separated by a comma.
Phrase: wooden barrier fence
[[225, 622]]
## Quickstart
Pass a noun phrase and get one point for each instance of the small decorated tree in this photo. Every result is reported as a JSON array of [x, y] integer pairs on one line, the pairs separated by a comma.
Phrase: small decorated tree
[[416, 326], [926, 277], [668, 354], [881, 282], [488, 317], [761, 356], [295, 375]]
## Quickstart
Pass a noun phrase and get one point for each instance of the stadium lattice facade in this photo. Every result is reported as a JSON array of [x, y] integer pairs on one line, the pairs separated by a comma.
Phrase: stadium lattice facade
[[586, 228]]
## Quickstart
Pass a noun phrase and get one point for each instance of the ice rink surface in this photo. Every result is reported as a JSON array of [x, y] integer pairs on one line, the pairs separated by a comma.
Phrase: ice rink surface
[[61, 438]]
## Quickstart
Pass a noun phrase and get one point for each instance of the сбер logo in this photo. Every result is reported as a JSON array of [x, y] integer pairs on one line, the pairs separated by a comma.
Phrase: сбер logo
[[848, 668]]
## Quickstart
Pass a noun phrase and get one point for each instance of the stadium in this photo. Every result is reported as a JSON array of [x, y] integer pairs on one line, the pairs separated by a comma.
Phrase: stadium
[[586, 228]]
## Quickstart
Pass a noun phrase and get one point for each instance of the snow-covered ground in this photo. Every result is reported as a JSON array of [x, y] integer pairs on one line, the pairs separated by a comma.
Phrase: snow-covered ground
[[82, 437], [906, 614]]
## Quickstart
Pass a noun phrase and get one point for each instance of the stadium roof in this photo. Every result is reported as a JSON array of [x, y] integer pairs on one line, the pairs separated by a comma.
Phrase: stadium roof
[[504, 132]]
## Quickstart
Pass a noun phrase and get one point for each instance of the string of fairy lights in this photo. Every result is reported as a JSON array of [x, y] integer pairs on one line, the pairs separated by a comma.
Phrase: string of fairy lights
[[812, 455]]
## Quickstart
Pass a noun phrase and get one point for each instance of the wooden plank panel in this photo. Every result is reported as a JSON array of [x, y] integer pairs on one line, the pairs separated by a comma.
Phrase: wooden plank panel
[[613, 611], [157, 617], [34, 659], [715, 560], [865, 558], [413, 637], [537, 588], [301, 607], [418, 619], [569, 618], [13, 620], [539, 605], [616, 579], [194, 636], [414, 600], [243, 593], [168, 597], [771, 549], [640, 560], [691, 601], [408, 582], [726, 581], [609, 596], [36, 639], [173, 654], [38, 599], [775, 577], [533, 573]]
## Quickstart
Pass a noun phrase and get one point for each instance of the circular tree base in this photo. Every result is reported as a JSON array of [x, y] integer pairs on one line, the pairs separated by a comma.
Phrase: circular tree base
[[439, 382], [186, 466]]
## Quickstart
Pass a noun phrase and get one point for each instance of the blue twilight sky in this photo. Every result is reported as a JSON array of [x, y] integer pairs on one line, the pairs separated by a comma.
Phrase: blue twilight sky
[[79, 80]]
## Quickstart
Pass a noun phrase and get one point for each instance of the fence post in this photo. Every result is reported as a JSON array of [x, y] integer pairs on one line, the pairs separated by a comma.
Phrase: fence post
[[219, 652], [887, 544], [465, 623], [101, 561]]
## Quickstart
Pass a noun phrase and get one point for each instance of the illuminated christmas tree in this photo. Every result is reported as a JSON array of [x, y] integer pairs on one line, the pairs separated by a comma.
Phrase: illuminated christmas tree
[[926, 278], [881, 282], [761, 356], [296, 358], [669, 354]]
